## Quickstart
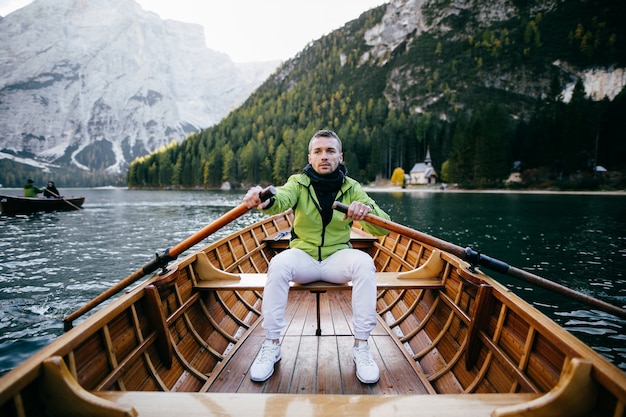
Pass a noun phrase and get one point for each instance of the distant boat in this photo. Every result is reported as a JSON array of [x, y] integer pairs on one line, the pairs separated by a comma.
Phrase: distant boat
[[11, 205]]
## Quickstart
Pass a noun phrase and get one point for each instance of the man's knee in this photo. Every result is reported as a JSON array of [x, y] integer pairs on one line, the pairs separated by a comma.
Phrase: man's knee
[[280, 262], [363, 259], [283, 265]]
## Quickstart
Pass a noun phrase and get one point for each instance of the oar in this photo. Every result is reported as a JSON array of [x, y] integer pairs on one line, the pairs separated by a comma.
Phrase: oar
[[162, 259], [477, 258], [68, 202]]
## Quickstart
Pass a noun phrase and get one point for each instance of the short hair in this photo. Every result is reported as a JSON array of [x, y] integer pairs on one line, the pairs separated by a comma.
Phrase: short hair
[[326, 134]]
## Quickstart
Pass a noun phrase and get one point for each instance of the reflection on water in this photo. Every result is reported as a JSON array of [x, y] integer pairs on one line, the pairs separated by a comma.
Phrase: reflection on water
[[53, 263]]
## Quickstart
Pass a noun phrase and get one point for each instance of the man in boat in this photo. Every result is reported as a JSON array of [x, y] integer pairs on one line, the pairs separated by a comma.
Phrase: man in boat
[[319, 250], [30, 190], [51, 190]]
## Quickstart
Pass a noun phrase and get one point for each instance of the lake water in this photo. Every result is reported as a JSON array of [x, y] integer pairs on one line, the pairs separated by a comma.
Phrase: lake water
[[53, 263]]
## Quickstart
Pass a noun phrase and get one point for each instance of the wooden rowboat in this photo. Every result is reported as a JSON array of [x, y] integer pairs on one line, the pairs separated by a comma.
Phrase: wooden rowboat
[[11, 205], [449, 341]]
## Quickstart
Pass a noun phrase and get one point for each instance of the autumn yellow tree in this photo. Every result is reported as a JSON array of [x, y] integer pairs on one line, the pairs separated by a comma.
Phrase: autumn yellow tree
[[397, 178]]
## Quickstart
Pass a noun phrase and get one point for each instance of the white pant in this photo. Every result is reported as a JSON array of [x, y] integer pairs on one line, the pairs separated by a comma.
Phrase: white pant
[[341, 267]]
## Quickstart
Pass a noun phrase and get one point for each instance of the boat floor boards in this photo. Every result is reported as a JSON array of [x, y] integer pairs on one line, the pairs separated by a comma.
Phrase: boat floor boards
[[323, 364], [316, 375]]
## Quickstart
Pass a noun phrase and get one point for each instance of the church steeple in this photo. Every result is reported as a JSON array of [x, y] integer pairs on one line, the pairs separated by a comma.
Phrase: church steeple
[[428, 161]]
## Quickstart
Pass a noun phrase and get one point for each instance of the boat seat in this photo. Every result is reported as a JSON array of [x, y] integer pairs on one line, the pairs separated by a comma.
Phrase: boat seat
[[359, 239], [256, 282], [424, 277]]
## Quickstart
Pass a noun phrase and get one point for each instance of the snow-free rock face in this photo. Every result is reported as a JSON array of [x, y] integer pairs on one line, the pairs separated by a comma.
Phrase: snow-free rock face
[[405, 20], [96, 83]]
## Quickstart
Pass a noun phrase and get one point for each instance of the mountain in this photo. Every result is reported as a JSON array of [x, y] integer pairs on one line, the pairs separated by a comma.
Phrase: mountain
[[95, 84], [497, 35], [481, 84]]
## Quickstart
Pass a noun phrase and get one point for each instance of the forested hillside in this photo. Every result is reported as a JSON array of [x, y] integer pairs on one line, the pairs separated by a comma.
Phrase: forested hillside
[[478, 95]]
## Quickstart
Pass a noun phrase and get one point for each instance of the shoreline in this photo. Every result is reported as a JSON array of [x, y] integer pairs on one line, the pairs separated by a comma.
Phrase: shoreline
[[375, 189], [392, 189]]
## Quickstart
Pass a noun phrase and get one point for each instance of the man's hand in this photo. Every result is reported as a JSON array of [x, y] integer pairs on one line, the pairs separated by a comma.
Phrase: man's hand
[[357, 211], [252, 199]]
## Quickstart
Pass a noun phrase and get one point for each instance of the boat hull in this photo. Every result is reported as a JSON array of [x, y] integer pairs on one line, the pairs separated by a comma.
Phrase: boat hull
[[182, 343], [13, 205]]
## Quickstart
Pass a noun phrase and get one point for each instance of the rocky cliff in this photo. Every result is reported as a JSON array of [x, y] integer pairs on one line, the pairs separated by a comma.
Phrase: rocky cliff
[[94, 84], [473, 21]]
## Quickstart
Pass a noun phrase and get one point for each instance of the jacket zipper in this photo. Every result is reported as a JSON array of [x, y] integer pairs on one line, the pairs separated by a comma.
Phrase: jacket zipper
[[319, 210]]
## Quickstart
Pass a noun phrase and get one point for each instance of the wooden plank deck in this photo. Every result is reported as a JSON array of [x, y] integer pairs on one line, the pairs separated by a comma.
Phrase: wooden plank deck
[[323, 364]]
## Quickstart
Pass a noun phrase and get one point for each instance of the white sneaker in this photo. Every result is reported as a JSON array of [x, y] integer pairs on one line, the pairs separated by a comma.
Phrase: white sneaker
[[263, 365], [366, 368]]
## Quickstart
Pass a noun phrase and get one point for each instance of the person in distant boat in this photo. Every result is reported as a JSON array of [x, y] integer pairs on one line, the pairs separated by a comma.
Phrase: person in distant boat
[[320, 250], [30, 190], [51, 190]]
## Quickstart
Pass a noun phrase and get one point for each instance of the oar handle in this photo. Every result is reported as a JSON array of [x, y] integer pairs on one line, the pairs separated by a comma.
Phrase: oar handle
[[162, 259], [477, 258]]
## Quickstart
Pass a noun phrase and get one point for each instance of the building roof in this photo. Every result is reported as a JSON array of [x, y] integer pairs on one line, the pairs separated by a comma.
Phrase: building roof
[[425, 167], [420, 167]]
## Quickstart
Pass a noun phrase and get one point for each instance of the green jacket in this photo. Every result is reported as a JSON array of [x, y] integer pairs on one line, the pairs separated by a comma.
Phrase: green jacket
[[308, 232], [31, 191]]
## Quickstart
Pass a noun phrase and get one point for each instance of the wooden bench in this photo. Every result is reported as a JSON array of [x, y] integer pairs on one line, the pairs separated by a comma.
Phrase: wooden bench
[[359, 239], [424, 277]]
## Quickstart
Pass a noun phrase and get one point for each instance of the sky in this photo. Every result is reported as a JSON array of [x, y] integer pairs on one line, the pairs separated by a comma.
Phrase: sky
[[253, 30]]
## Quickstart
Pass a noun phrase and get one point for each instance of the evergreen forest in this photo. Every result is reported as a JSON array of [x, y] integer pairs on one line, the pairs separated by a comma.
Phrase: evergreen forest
[[457, 94]]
